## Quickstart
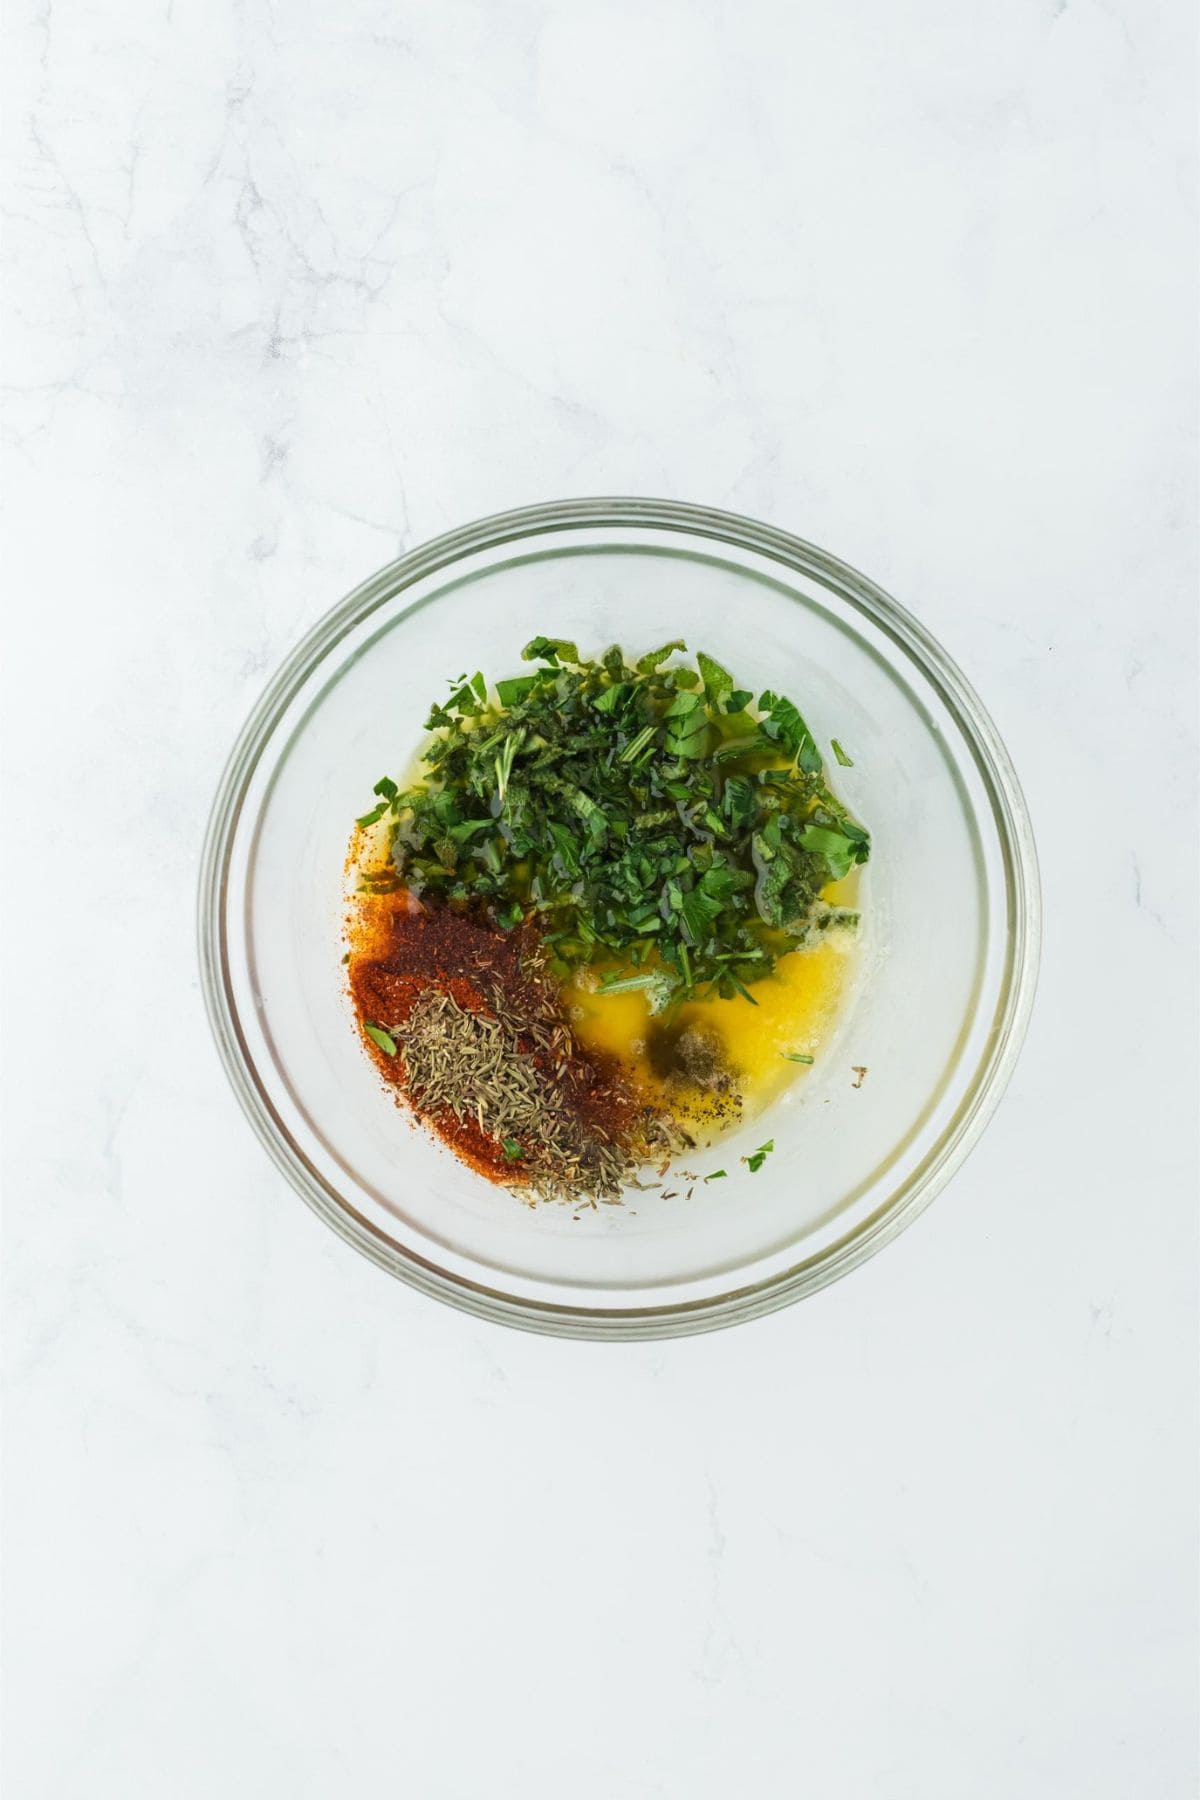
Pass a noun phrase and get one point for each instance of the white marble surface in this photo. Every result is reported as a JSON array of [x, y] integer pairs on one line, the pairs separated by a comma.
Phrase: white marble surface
[[289, 288]]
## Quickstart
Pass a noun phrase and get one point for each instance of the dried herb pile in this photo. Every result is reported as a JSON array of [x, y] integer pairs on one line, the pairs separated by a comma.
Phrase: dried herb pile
[[463, 1020], [515, 1082]]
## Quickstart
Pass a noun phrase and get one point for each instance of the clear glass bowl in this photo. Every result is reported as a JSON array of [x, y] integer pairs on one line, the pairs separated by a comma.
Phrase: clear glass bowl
[[950, 944]]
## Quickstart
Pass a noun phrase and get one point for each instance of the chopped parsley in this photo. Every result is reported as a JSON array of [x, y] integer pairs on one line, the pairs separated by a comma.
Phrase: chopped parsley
[[650, 817], [755, 1162], [379, 1036]]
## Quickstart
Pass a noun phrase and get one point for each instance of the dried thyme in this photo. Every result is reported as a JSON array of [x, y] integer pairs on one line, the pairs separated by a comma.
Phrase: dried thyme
[[506, 1077]]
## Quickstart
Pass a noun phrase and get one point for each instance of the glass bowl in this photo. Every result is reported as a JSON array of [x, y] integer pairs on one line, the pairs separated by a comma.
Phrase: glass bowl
[[947, 965]]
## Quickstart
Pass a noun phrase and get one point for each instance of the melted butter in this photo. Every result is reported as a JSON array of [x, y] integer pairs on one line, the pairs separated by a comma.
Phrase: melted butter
[[794, 1011]]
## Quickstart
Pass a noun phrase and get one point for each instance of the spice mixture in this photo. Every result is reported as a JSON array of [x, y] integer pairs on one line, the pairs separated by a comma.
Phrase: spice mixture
[[463, 1019], [614, 904]]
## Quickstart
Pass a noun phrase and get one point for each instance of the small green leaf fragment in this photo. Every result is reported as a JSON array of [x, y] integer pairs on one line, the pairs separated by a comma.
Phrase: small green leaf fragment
[[717, 1175], [839, 851], [785, 724], [379, 1036], [796, 1057], [718, 682], [755, 1162], [658, 987], [682, 705], [636, 745], [847, 762], [613, 698], [461, 834], [376, 813], [512, 691], [647, 664], [512, 1149], [698, 910], [550, 650], [464, 701]]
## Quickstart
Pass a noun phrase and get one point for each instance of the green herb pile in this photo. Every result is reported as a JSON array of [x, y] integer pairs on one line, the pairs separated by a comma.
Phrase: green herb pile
[[651, 817]]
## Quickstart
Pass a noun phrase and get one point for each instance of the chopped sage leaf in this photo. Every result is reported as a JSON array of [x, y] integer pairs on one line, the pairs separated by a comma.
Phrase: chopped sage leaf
[[755, 1162]]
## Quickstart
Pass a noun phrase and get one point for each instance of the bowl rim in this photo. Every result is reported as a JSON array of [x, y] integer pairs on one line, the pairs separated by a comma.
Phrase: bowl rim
[[988, 1082]]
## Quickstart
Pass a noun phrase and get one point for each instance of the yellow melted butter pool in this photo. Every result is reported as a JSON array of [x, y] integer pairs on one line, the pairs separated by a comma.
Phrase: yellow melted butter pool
[[795, 1010]]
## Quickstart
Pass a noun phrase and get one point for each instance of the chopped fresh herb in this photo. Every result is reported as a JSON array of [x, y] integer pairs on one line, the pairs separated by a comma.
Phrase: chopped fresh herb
[[379, 1036], [717, 1175], [846, 762], [639, 814], [504, 763], [647, 664], [795, 1056], [755, 1162], [657, 985], [784, 724], [550, 650], [718, 682], [511, 1149], [511, 692], [839, 850]]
